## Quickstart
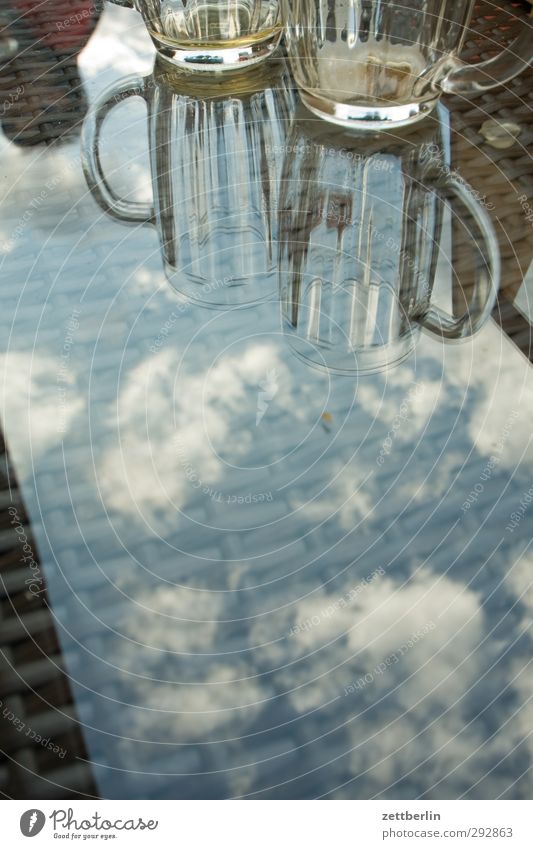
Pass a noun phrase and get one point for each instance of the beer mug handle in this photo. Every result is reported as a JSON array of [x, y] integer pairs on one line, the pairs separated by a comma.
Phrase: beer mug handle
[[469, 79], [441, 323], [132, 212]]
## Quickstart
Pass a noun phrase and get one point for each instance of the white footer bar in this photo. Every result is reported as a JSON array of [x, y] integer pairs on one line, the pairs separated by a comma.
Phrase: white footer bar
[[268, 824]]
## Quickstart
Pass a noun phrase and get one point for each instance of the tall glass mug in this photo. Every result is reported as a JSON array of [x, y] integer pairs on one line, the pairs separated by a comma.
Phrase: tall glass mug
[[207, 35], [365, 237], [373, 63], [215, 168]]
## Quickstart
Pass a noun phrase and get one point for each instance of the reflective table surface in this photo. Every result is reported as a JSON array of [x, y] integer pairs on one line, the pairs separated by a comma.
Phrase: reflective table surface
[[282, 496]]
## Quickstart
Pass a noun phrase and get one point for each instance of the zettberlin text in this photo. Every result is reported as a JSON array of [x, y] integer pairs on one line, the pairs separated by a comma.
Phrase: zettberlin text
[[407, 815]]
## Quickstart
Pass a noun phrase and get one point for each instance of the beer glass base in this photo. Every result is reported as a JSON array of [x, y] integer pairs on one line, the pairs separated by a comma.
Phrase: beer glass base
[[219, 59], [222, 294], [361, 361], [366, 117]]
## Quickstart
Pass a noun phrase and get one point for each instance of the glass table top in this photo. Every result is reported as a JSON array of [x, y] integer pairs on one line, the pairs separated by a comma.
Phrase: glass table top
[[275, 451]]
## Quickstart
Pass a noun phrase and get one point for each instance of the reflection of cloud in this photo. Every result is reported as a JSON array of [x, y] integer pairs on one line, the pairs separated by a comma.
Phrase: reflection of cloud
[[470, 368], [226, 698], [376, 625], [165, 456], [434, 486], [37, 196], [420, 722], [414, 403], [347, 496], [386, 617], [522, 723], [143, 471], [202, 693], [519, 579], [283, 637], [174, 619], [39, 417]]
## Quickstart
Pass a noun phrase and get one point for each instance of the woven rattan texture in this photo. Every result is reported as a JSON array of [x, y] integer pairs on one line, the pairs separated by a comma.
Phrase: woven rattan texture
[[41, 746], [40, 89], [502, 177]]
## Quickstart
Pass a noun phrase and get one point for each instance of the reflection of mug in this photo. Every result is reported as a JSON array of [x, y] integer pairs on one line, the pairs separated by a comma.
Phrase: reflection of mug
[[207, 35], [361, 234], [379, 62], [215, 161]]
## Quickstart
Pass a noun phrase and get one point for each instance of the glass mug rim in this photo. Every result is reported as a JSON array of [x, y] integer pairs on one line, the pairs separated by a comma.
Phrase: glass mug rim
[[204, 55]]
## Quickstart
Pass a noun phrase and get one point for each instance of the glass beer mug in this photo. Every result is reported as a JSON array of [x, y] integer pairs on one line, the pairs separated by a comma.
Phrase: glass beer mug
[[361, 244], [207, 35], [215, 171], [373, 63]]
